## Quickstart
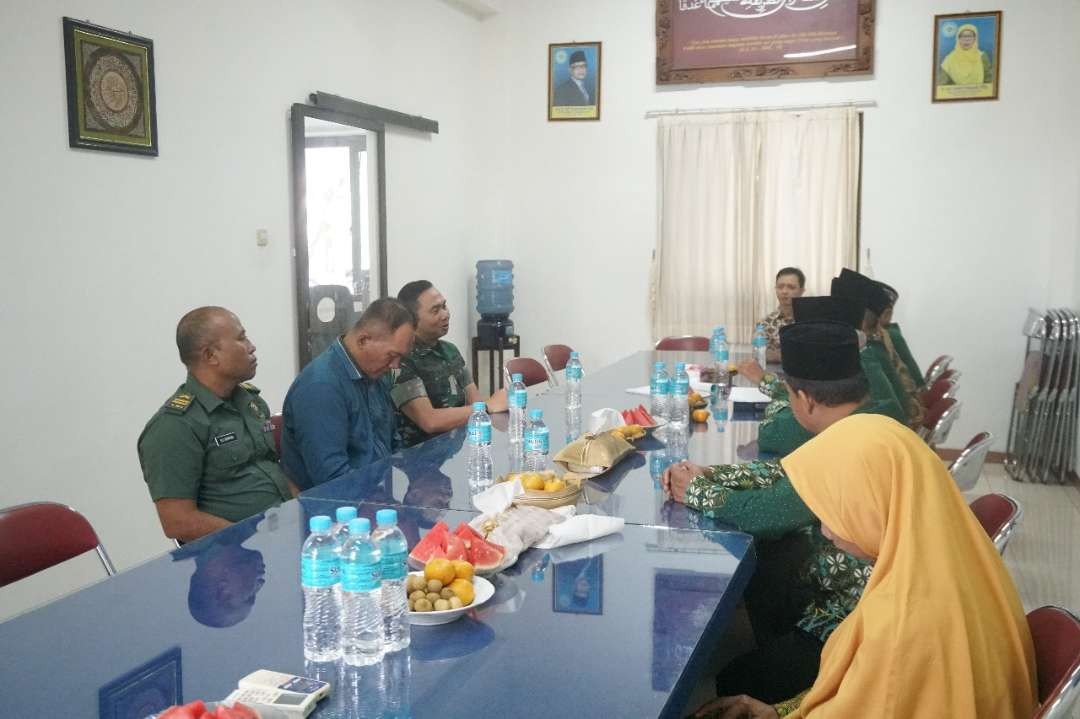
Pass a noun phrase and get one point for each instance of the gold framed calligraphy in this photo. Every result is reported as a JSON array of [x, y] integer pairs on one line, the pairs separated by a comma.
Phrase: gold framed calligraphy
[[740, 40], [110, 89]]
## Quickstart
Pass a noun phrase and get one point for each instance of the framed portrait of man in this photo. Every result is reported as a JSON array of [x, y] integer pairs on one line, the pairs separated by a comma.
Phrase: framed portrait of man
[[574, 81], [967, 56]]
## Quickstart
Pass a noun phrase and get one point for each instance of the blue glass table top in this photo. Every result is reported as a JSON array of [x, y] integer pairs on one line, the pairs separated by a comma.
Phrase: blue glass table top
[[615, 627], [432, 474]]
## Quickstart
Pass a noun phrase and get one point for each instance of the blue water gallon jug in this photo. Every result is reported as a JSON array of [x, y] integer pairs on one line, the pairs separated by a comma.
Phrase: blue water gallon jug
[[494, 288]]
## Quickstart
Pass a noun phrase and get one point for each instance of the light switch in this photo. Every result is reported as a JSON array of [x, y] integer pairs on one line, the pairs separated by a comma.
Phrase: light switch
[[262, 238]]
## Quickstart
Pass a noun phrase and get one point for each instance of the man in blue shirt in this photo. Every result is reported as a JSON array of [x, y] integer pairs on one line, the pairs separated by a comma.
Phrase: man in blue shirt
[[338, 415]]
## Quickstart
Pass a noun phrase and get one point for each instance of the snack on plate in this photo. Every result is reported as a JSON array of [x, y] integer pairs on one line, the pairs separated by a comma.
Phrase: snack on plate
[[629, 432], [696, 400], [515, 529], [463, 545], [639, 416], [444, 585]]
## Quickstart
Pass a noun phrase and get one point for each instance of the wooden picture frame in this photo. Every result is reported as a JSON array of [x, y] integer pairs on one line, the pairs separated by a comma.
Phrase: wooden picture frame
[[699, 41], [574, 76], [111, 98], [578, 586], [967, 57]]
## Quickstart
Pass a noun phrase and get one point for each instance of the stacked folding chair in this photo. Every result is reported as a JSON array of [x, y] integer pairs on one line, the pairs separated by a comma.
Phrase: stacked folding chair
[[1043, 426]]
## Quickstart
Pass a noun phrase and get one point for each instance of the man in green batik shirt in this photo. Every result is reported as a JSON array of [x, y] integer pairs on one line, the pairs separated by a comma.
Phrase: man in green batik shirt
[[433, 390], [804, 587], [208, 454], [900, 345], [780, 433]]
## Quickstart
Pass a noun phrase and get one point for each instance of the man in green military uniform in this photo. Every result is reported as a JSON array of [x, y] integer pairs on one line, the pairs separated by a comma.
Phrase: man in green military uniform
[[825, 384], [780, 433], [433, 390], [208, 454]]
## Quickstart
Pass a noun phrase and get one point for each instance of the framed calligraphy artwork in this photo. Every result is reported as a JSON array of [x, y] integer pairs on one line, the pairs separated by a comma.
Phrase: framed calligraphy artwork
[[741, 40], [110, 89]]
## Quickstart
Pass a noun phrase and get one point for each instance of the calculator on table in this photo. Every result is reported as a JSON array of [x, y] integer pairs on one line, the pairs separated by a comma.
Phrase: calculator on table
[[294, 695]]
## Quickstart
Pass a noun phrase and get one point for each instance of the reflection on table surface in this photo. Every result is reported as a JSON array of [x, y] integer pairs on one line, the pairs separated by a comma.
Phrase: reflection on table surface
[[553, 641], [433, 474]]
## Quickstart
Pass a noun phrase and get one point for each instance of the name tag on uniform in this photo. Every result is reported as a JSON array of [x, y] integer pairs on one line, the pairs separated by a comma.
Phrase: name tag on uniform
[[223, 439], [268, 426], [453, 384]]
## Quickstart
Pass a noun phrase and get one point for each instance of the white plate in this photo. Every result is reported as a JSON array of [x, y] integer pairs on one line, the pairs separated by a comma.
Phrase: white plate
[[483, 589], [661, 422]]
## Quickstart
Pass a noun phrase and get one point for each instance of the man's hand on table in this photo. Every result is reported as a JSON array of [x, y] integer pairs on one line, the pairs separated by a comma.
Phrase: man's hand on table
[[677, 478], [751, 370], [497, 402]]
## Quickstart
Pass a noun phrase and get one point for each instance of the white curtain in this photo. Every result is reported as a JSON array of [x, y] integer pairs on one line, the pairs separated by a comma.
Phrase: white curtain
[[742, 195]]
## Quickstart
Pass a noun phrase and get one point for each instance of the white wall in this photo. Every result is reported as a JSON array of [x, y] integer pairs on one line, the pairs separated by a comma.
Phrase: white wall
[[104, 252], [969, 209]]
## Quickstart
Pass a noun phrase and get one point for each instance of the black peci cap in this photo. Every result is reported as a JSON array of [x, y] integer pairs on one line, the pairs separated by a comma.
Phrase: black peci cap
[[819, 350], [848, 310], [873, 294]]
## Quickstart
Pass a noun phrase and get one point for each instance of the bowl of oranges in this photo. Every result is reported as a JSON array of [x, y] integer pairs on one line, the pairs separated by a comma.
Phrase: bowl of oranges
[[444, 591], [546, 489]]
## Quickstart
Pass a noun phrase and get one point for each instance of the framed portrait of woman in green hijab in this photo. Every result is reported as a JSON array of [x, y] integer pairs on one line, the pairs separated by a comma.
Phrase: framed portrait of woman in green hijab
[[967, 56]]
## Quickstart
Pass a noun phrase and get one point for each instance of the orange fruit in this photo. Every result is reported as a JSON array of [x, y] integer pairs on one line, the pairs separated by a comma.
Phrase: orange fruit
[[463, 590], [532, 480], [441, 569], [554, 485], [462, 569], [700, 415]]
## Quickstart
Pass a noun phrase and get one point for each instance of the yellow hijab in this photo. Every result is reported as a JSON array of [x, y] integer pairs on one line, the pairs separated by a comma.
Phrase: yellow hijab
[[965, 67], [939, 630]]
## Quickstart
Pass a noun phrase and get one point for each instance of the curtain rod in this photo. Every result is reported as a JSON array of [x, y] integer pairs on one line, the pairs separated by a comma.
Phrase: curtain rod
[[723, 110]]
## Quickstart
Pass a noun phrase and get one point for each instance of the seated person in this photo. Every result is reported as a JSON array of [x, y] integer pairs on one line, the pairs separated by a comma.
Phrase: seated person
[[936, 633], [790, 283], [893, 338], [208, 454], [780, 433], [877, 300], [825, 385], [433, 391], [339, 417]]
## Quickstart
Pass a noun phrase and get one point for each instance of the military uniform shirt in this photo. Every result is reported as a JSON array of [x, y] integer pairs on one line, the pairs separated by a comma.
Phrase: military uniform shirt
[[437, 372], [219, 452]]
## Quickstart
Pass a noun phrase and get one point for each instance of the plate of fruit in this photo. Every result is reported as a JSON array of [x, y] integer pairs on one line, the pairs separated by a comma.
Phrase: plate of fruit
[[640, 416], [444, 591]]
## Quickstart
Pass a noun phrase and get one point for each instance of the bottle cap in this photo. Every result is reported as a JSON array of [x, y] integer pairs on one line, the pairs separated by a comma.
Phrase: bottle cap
[[517, 377], [319, 523], [536, 413], [346, 514], [386, 517], [680, 366], [573, 355], [658, 365], [359, 525], [479, 407]]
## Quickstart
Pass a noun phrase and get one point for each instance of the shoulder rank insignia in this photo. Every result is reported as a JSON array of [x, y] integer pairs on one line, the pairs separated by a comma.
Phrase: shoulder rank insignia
[[249, 387], [179, 402]]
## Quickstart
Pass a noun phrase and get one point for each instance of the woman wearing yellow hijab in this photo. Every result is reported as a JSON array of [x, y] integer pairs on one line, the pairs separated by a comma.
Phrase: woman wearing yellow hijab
[[939, 630], [966, 64]]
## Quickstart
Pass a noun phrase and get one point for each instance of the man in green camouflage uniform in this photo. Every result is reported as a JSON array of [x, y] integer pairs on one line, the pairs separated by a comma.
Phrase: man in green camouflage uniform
[[821, 584], [208, 454], [433, 390]]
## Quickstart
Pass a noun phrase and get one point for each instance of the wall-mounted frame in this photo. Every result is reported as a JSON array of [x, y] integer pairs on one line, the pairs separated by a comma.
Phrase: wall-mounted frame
[[111, 98], [967, 56], [574, 80], [700, 41]]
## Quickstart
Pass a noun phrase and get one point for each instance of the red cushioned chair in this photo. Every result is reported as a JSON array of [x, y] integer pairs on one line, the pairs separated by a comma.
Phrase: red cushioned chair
[[277, 421], [1056, 635], [999, 514], [531, 371], [939, 420], [936, 368], [40, 535], [944, 387], [556, 357], [689, 343], [967, 467]]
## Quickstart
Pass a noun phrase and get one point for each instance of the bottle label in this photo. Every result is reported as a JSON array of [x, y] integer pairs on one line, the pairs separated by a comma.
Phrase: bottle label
[[537, 441], [480, 433], [501, 277], [659, 386], [682, 386], [518, 398], [318, 572], [393, 566], [573, 372], [357, 577]]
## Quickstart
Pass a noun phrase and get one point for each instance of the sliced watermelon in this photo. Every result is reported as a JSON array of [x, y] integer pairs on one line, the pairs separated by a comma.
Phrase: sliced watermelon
[[485, 556], [432, 545], [455, 547], [467, 533]]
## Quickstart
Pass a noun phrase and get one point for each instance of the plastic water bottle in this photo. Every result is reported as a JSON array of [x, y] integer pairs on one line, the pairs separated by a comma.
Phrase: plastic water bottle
[[398, 671], [573, 423], [721, 356], [659, 390], [340, 530], [517, 398], [478, 465], [536, 442], [363, 690], [319, 576], [680, 396], [395, 605], [760, 343], [361, 582], [573, 375]]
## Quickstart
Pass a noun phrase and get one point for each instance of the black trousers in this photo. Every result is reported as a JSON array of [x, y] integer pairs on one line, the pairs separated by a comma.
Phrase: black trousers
[[778, 670]]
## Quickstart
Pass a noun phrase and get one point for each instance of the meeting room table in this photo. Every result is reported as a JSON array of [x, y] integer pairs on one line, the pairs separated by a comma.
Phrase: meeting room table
[[618, 626]]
